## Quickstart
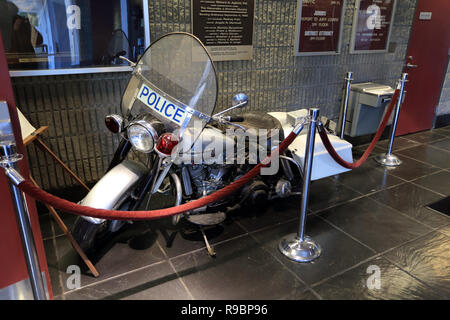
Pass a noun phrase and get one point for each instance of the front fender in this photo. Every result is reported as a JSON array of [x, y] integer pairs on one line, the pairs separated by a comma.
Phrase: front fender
[[114, 187]]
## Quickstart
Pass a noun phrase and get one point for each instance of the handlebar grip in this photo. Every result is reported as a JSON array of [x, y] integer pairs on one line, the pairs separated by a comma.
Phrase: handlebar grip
[[236, 119]]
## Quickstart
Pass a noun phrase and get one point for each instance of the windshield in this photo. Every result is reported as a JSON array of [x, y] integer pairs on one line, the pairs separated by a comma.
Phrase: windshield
[[175, 80]]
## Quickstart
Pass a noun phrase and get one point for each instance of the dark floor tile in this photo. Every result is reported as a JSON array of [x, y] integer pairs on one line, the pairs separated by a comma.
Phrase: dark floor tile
[[443, 130], [338, 250], [438, 182], [411, 200], [241, 270], [430, 155], [374, 224], [442, 144], [306, 295], [400, 143], [115, 258], [68, 219], [52, 264], [425, 136], [359, 151], [327, 192], [367, 178], [45, 222], [442, 206], [48, 224], [189, 237], [359, 284], [157, 282], [277, 211], [445, 230], [410, 169], [428, 259]]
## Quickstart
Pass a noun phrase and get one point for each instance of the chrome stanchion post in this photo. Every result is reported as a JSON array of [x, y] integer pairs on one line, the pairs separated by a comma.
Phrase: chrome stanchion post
[[8, 159], [344, 107], [389, 159], [299, 247]]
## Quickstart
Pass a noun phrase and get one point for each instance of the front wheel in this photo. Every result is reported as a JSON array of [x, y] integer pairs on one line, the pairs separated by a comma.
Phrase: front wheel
[[91, 236], [86, 233]]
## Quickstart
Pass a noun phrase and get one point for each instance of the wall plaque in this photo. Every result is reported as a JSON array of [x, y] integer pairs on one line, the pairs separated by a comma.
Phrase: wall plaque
[[225, 27], [372, 24], [319, 26]]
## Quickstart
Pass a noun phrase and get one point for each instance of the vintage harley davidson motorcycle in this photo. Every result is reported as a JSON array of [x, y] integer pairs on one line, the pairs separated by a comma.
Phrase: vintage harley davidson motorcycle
[[167, 117]]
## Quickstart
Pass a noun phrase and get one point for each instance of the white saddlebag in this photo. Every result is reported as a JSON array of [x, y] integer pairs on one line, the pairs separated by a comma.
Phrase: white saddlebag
[[323, 164]]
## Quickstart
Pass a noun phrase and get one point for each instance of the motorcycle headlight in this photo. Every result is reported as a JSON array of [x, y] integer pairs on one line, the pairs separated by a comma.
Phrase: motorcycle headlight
[[142, 136]]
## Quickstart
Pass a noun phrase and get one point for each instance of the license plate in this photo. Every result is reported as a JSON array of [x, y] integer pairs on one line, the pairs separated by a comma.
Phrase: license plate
[[169, 110]]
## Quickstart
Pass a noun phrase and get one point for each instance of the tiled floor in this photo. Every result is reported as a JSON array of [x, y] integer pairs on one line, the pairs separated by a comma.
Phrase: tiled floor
[[370, 222]]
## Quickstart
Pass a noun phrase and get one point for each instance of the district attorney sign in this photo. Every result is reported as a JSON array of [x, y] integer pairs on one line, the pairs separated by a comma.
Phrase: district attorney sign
[[225, 27], [372, 25], [319, 26]]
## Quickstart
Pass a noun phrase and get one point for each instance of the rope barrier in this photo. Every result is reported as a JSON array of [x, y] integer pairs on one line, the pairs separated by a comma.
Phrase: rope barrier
[[354, 165], [38, 194]]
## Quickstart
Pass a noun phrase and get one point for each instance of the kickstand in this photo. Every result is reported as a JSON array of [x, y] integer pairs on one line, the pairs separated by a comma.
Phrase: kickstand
[[211, 251], [169, 238]]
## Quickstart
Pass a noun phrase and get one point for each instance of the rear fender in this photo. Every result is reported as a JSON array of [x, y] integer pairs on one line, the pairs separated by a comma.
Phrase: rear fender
[[114, 187]]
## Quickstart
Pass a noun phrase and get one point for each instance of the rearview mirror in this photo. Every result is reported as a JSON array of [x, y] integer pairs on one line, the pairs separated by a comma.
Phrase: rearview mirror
[[240, 100]]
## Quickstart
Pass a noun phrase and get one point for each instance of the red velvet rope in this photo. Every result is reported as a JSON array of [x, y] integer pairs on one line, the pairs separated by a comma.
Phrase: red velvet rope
[[70, 207], [354, 165]]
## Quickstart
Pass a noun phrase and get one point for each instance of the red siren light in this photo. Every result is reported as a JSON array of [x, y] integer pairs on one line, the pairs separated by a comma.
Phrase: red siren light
[[166, 143]]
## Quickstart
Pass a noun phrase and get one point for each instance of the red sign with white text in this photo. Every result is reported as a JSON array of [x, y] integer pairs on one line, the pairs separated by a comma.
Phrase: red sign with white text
[[373, 22], [320, 26]]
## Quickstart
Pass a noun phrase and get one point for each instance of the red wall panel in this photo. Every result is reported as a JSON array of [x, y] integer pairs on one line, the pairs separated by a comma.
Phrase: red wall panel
[[12, 260]]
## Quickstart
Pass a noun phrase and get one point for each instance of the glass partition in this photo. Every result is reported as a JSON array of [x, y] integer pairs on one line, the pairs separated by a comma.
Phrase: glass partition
[[45, 35]]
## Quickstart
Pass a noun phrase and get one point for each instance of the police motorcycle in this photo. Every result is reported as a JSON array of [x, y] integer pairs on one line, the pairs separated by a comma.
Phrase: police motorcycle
[[173, 149]]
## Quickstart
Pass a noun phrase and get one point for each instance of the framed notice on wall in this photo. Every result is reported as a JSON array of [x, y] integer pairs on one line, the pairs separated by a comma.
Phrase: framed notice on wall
[[225, 27], [319, 27], [372, 24]]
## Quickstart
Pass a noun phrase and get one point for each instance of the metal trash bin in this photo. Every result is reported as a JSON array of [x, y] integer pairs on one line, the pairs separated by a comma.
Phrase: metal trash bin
[[366, 106]]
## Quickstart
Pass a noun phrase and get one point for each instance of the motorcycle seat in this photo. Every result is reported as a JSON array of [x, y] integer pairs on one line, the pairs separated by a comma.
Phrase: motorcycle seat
[[260, 120]]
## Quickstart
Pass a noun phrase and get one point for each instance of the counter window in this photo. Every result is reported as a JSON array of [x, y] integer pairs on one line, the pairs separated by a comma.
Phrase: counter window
[[71, 34]]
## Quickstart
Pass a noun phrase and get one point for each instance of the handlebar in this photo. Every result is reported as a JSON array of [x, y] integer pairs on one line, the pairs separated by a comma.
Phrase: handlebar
[[234, 119], [229, 120]]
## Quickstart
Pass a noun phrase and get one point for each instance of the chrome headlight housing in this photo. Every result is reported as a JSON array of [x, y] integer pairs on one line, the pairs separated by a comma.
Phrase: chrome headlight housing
[[142, 136]]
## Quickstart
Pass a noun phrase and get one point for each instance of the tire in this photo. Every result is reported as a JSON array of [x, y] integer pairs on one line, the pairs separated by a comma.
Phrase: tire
[[86, 233], [91, 236]]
